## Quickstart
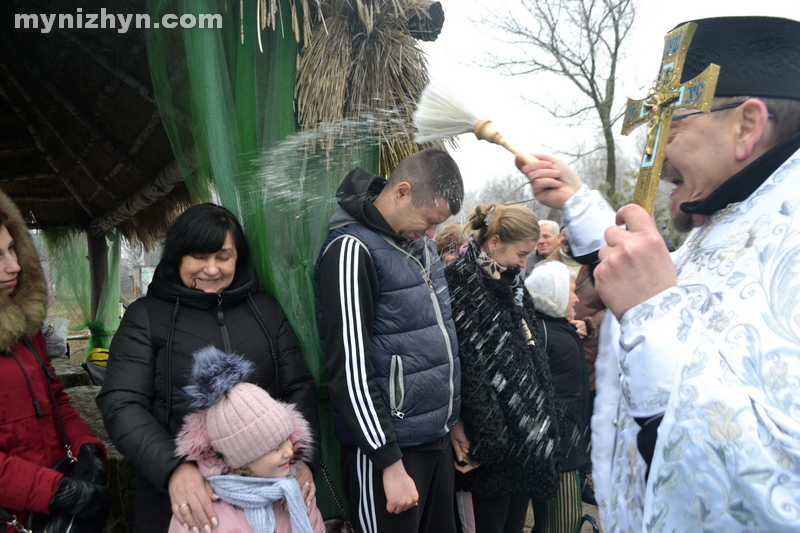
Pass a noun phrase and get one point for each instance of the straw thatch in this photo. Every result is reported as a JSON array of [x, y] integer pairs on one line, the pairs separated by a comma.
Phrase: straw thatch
[[81, 140], [363, 60]]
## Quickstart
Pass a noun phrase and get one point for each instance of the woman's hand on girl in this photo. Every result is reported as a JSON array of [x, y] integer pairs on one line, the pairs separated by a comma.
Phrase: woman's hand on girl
[[191, 496], [305, 478]]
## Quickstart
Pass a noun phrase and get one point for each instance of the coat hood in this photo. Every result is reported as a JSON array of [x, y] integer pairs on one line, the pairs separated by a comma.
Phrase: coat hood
[[22, 313], [357, 192], [356, 195]]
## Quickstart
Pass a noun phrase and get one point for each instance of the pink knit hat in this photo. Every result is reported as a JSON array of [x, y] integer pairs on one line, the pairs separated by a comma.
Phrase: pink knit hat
[[246, 424], [238, 421]]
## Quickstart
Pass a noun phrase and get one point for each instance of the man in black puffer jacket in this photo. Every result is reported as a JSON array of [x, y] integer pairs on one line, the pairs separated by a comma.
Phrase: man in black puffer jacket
[[389, 343]]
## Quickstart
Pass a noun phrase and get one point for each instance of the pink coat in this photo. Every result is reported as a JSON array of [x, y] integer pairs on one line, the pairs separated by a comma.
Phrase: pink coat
[[232, 519]]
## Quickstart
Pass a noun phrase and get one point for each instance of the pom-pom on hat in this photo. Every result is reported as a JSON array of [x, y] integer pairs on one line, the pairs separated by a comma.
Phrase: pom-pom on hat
[[240, 421], [757, 56], [549, 285]]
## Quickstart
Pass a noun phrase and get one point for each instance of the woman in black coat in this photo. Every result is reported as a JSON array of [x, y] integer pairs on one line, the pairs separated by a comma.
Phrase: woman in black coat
[[509, 426], [553, 292], [204, 292]]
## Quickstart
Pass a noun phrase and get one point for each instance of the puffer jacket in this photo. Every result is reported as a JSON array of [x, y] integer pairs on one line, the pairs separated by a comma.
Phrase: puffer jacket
[[29, 444], [150, 360], [568, 368], [383, 308], [508, 402]]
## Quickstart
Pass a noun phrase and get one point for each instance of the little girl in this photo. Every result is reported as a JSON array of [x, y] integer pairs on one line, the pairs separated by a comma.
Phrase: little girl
[[245, 444]]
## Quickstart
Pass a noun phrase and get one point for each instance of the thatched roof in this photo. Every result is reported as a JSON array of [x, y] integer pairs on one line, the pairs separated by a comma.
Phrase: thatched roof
[[363, 57], [81, 140]]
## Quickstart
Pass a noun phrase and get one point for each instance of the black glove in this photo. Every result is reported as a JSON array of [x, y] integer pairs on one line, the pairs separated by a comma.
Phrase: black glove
[[90, 465], [79, 498]]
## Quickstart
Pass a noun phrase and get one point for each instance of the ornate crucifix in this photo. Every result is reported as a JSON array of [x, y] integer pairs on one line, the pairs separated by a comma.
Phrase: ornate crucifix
[[665, 97]]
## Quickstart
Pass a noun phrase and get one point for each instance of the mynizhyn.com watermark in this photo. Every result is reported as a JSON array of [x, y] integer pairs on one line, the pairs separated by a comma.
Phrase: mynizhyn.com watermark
[[45, 23]]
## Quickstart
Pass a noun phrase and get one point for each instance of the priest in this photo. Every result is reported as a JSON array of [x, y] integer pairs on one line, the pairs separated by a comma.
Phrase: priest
[[697, 417]]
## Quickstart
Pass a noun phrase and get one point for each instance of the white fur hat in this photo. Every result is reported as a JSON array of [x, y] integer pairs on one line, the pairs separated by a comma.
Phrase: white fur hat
[[549, 285]]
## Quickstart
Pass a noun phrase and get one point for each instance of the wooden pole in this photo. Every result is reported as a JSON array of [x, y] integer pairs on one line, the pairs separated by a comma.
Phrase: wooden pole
[[98, 268]]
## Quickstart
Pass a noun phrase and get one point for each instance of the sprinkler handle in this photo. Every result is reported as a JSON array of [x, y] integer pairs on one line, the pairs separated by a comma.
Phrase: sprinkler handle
[[486, 132]]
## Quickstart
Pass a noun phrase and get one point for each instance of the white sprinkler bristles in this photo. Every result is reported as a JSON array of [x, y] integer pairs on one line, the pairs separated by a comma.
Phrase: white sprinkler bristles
[[440, 115]]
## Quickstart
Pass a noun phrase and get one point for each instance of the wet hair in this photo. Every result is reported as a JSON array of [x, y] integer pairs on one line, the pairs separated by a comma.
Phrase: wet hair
[[512, 223], [432, 173], [202, 229]]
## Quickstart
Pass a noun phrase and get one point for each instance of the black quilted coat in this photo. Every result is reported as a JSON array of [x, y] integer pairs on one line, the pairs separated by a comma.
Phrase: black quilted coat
[[507, 398], [150, 360]]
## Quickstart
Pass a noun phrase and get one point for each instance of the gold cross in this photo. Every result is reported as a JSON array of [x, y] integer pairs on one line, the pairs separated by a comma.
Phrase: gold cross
[[664, 98]]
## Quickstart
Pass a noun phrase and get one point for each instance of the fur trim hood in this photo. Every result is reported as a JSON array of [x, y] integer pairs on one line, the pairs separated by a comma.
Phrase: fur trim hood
[[23, 312]]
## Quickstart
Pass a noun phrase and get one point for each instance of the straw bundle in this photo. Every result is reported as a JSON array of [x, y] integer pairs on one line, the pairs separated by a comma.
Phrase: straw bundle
[[363, 64]]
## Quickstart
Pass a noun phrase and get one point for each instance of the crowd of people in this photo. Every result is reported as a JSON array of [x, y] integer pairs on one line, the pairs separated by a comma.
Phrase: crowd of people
[[462, 371]]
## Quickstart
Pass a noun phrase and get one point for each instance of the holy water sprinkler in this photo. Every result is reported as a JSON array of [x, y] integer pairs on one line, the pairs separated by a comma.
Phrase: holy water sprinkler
[[440, 114]]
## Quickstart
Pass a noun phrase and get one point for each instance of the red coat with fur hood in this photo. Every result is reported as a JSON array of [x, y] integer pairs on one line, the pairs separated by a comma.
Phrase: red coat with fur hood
[[29, 444]]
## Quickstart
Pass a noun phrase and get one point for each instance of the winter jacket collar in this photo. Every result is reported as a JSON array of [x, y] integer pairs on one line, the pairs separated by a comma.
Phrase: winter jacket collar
[[23, 312], [164, 289], [743, 184]]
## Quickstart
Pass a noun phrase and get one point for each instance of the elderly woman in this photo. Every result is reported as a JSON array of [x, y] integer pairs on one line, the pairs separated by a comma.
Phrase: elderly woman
[[31, 437], [553, 291], [506, 437], [204, 292]]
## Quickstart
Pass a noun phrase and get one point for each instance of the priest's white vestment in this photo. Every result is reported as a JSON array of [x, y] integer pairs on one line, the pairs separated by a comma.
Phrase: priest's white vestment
[[719, 356]]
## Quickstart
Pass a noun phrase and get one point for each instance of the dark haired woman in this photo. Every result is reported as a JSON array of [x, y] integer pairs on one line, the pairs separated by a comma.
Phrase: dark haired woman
[[204, 292], [31, 436], [506, 437]]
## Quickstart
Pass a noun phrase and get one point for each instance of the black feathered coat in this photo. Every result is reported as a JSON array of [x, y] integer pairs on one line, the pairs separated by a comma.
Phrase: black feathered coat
[[507, 398], [150, 361]]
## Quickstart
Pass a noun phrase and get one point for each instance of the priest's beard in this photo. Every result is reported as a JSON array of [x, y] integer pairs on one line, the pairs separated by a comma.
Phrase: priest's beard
[[681, 221]]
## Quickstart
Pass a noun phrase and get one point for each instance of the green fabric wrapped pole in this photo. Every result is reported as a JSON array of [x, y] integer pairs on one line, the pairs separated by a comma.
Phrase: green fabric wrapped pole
[[228, 110], [70, 275]]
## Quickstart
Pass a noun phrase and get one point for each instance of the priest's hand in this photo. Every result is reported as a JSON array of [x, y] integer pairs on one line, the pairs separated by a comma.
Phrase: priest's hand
[[635, 264], [552, 180]]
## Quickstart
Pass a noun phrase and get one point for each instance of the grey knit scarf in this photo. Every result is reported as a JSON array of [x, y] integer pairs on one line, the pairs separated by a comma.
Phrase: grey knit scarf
[[257, 494]]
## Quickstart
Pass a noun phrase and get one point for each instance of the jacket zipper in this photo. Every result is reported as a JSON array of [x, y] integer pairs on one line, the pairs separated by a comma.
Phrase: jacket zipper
[[396, 387], [440, 320], [226, 341]]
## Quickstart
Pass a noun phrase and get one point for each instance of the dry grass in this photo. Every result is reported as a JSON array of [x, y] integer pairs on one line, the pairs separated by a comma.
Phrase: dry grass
[[361, 61]]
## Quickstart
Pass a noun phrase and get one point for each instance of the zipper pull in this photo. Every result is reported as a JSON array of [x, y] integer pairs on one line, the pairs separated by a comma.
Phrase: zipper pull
[[220, 316], [399, 414]]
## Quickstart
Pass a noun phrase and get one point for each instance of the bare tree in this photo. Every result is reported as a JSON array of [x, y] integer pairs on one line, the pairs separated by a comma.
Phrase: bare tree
[[579, 40], [509, 189]]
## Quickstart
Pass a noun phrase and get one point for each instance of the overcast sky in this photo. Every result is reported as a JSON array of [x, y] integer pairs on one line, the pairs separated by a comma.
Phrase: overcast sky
[[499, 98]]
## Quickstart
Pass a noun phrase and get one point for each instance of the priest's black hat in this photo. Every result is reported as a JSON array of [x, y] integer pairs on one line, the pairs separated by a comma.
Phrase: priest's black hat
[[758, 56]]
